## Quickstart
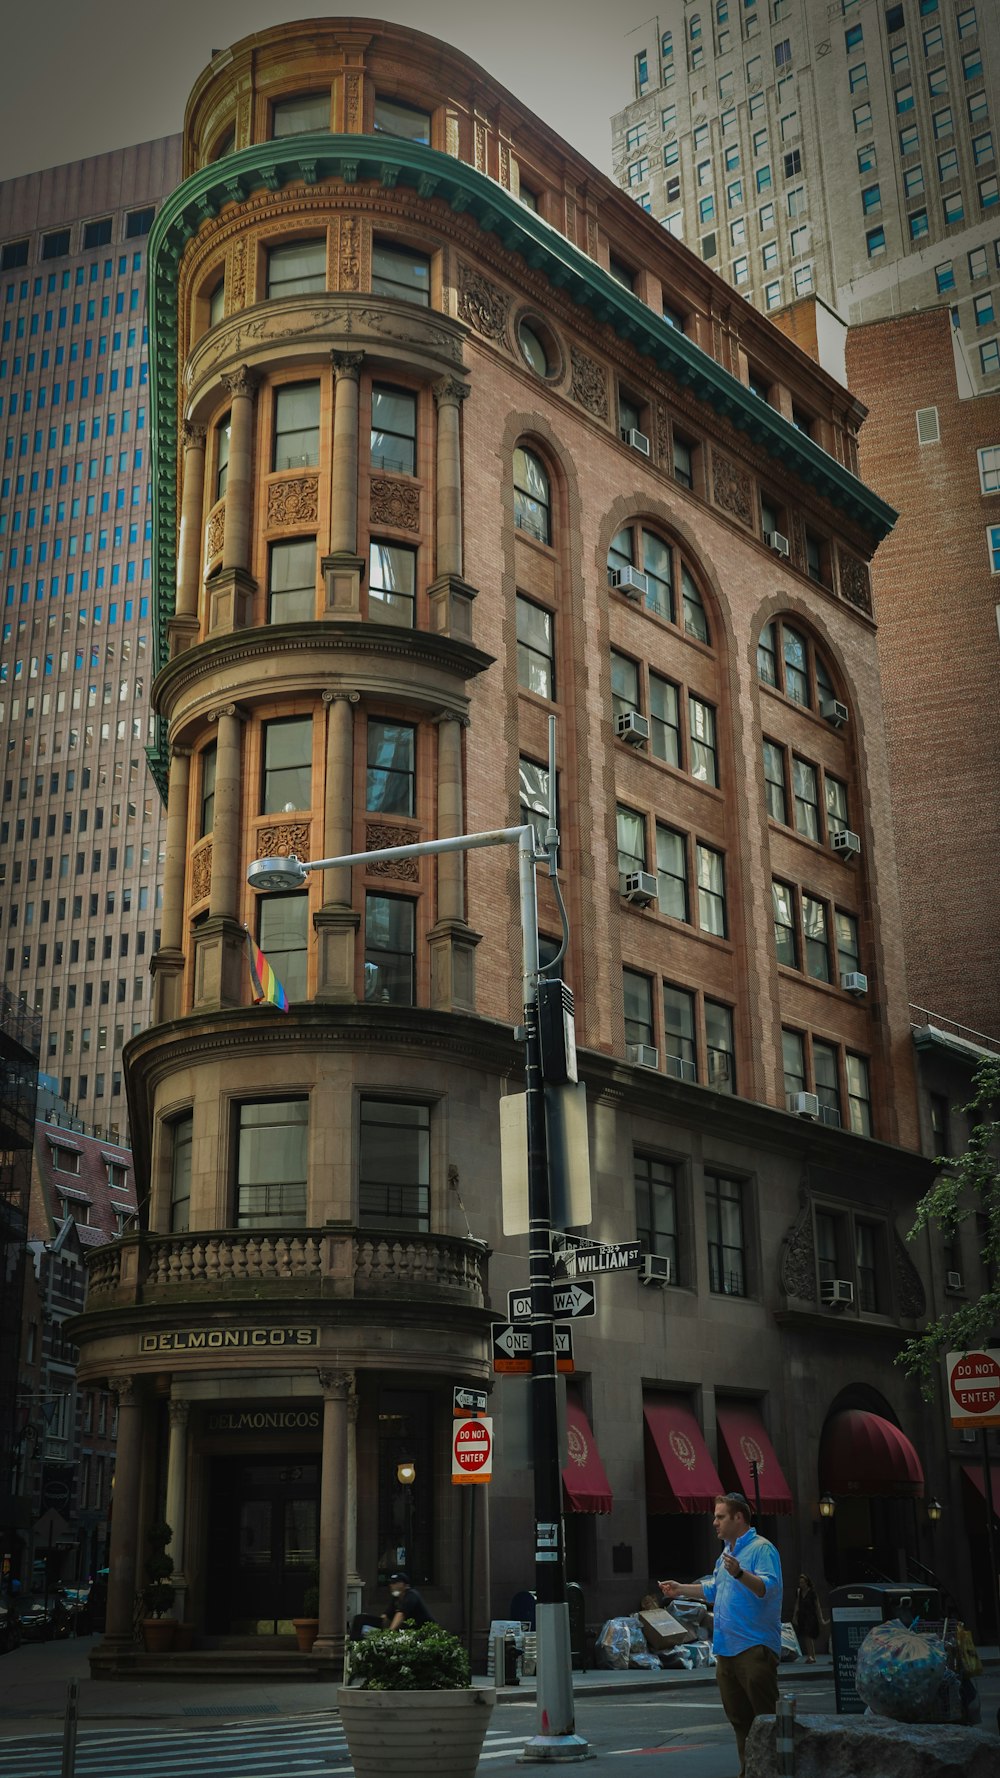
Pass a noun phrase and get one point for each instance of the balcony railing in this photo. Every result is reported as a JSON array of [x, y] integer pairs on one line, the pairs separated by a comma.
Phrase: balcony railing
[[305, 1263]]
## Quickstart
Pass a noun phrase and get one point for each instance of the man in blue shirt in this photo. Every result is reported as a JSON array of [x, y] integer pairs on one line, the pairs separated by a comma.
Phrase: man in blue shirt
[[745, 1593]]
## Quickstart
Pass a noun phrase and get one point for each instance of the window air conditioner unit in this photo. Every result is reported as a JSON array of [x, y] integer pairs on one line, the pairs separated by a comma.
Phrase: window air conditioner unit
[[953, 1280], [846, 845], [834, 711], [645, 1055], [776, 541], [837, 1293], [640, 888], [681, 1068], [804, 1104], [633, 728], [853, 982], [638, 440], [630, 582], [656, 1270], [828, 1114]]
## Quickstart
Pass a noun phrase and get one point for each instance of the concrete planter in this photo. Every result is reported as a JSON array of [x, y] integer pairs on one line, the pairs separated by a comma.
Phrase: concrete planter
[[415, 1734]]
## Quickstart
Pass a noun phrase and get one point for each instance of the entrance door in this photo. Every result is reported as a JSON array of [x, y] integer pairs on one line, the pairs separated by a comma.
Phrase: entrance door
[[264, 1544]]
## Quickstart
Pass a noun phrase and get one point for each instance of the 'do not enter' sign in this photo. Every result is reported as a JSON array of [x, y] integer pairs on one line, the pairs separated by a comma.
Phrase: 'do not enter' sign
[[472, 1450], [974, 1388]]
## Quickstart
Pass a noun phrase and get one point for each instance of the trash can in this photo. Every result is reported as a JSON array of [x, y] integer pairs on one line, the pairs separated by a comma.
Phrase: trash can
[[854, 1611]]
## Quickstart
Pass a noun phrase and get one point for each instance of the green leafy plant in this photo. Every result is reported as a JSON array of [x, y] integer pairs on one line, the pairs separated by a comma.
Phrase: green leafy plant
[[158, 1595], [427, 1659]]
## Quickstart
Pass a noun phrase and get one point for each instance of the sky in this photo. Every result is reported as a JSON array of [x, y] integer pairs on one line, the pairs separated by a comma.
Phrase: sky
[[85, 76]]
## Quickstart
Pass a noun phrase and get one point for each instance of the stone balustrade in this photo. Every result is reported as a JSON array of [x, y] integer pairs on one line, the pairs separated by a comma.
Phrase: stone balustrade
[[332, 1262]]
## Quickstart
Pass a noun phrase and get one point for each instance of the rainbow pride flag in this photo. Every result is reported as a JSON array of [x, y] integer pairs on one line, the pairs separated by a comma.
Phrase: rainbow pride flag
[[266, 986]]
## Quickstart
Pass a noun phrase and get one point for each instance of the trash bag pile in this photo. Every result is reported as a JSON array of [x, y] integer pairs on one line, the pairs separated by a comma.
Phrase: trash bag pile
[[912, 1675]]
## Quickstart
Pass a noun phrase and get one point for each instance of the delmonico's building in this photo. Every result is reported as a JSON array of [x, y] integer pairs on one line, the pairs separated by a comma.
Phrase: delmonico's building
[[451, 437]]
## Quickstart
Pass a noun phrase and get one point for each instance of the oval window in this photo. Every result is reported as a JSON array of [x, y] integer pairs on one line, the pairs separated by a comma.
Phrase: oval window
[[533, 347]]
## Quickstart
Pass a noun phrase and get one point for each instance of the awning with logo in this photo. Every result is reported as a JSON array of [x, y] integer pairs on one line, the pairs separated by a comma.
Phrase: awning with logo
[[860, 1453], [585, 1484], [680, 1474], [743, 1442]]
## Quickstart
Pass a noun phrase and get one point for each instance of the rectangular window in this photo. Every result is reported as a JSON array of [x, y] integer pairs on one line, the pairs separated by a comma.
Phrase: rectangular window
[[389, 950], [298, 115], [978, 263], [180, 1174], [848, 948], [394, 1157], [724, 1222], [904, 100], [774, 782], [993, 547], [392, 572], [918, 224], [207, 818], [763, 178], [222, 432], [401, 273], [871, 199], [769, 255], [638, 1004], [291, 582], [393, 430], [656, 1207], [392, 117], [391, 770], [271, 1169], [826, 1081], [719, 1047], [909, 140], [296, 426], [954, 209], [948, 165], [679, 1040], [296, 269], [805, 785], [866, 1247], [913, 181], [283, 931], [982, 148], [704, 758], [862, 118], [858, 77], [287, 765], [983, 309], [875, 242], [631, 830], [899, 58], [836, 805], [794, 1064], [533, 796], [624, 685], [711, 890], [535, 648], [671, 872], [786, 939], [814, 925], [989, 192], [741, 272], [859, 1095], [989, 357], [937, 82], [664, 720], [989, 469]]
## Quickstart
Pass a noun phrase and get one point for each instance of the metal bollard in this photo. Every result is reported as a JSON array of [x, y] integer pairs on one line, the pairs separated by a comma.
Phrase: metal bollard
[[784, 1734], [68, 1767]]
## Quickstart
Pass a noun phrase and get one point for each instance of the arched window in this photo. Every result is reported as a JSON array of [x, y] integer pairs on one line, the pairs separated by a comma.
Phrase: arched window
[[644, 566], [789, 660], [694, 28], [532, 496]]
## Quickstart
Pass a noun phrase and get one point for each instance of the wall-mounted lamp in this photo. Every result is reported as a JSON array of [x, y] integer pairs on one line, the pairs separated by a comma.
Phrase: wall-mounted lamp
[[406, 1473], [827, 1506], [934, 1510]]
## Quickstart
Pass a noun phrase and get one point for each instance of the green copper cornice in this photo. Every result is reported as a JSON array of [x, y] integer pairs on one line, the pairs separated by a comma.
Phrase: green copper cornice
[[391, 162]]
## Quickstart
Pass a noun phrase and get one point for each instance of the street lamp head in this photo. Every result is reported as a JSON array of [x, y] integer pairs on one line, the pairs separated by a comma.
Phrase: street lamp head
[[277, 873]]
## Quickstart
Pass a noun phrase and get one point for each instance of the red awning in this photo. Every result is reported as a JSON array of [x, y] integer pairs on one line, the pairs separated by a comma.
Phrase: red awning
[[585, 1484], [860, 1453], [973, 1473], [680, 1474], [743, 1442]]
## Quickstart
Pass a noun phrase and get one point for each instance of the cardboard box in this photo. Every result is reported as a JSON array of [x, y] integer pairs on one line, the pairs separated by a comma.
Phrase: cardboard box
[[662, 1630]]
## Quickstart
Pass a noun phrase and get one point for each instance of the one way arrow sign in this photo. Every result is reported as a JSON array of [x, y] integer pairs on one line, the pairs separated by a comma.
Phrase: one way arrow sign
[[572, 1299]]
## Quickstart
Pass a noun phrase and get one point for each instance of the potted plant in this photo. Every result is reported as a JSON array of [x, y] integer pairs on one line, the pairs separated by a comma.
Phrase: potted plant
[[306, 1627], [411, 1706], [158, 1594]]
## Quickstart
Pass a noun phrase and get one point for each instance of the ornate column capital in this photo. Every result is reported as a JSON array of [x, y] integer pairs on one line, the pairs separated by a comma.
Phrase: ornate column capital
[[452, 716], [449, 392], [179, 1412], [227, 710], [346, 697], [347, 364], [336, 1385], [126, 1389], [181, 752], [193, 435], [241, 381]]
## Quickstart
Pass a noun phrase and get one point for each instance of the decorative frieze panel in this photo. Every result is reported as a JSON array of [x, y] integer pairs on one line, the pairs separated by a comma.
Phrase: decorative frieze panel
[[732, 489], [352, 102], [911, 1298], [283, 838], [590, 384], [215, 533], [293, 502], [797, 1264], [855, 582], [236, 276], [394, 503], [482, 304], [379, 836], [349, 254], [201, 873]]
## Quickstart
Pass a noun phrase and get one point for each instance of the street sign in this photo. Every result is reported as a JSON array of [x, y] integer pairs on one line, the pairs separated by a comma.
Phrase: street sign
[[512, 1348], [624, 1257], [465, 1401], [472, 1451], [974, 1388], [568, 1299]]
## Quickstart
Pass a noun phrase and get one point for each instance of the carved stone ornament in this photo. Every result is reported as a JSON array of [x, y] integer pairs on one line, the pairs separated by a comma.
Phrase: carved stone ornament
[[349, 258], [240, 381], [379, 836], [201, 873], [336, 1385], [855, 582], [480, 147], [505, 166], [125, 1389], [352, 101], [293, 502], [732, 489], [661, 443], [797, 1264], [482, 304], [192, 435], [394, 503], [215, 532], [911, 1298], [236, 282], [283, 838], [179, 1413], [590, 385], [347, 365], [450, 392]]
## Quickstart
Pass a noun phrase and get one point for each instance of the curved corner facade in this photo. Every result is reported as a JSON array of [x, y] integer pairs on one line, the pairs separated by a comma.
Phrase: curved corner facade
[[449, 438]]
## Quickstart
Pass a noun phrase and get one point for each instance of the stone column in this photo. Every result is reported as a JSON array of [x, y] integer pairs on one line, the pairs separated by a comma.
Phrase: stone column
[[122, 1560], [336, 923], [168, 963], [333, 1516], [452, 944], [343, 567], [231, 590], [355, 1584], [179, 1412], [182, 628], [450, 595], [219, 941]]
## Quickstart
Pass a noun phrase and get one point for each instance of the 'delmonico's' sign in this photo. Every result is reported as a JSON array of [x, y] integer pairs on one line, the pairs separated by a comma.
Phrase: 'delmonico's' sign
[[215, 1339]]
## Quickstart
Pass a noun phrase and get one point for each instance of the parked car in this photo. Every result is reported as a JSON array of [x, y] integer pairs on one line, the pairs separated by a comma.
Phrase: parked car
[[10, 1629]]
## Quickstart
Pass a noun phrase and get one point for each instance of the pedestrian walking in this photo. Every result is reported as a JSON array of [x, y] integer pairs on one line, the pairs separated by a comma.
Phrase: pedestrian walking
[[745, 1594], [807, 1617]]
